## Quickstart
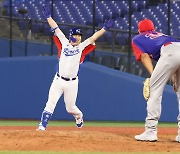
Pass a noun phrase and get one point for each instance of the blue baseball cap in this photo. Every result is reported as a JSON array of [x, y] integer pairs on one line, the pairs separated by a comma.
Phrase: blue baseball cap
[[75, 31]]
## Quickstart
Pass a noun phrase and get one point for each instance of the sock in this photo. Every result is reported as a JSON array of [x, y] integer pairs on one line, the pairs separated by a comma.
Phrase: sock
[[46, 116]]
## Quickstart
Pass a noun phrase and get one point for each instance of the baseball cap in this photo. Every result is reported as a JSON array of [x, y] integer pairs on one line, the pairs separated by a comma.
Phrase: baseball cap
[[75, 31], [145, 25]]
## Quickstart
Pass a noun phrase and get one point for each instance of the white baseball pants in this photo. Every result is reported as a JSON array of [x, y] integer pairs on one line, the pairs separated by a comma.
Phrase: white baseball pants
[[70, 89], [167, 65]]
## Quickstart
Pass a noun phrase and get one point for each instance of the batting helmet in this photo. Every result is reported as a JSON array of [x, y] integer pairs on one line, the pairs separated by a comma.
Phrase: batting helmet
[[75, 31], [145, 25]]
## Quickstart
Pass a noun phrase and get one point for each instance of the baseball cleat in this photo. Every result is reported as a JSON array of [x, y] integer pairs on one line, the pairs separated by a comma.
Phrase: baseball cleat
[[79, 122], [41, 128], [178, 138], [146, 137]]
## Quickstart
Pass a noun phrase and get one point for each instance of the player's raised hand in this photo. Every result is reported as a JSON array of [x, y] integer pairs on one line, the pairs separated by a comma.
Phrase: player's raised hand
[[46, 11], [109, 24]]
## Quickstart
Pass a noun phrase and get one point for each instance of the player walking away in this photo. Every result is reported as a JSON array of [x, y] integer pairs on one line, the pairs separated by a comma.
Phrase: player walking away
[[66, 77], [150, 44]]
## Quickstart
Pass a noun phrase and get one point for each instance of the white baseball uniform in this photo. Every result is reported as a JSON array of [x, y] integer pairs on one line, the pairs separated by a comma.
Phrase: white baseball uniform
[[67, 70]]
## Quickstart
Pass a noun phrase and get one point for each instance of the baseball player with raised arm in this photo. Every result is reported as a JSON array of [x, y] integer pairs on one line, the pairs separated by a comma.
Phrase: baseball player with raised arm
[[150, 44], [66, 78]]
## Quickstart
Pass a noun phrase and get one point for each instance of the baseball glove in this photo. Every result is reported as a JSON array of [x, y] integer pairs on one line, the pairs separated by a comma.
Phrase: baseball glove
[[146, 88]]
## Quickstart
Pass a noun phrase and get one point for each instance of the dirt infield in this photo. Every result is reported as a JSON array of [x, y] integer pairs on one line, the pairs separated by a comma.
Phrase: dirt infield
[[88, 139]]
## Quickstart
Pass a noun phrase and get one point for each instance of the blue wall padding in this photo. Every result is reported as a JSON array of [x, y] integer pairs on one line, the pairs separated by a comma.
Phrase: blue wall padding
[[115, 95], [104, 93]]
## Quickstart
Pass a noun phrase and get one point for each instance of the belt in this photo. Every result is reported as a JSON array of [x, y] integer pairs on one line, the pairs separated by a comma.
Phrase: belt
[[66, 79], [167, 43]]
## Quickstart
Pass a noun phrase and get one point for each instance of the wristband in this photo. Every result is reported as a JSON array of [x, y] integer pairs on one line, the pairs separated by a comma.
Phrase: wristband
[[53, 29], [105, 28]]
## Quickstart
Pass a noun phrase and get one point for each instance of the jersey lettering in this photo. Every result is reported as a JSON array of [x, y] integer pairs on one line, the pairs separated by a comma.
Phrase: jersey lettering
[[69, 52], [154, 35]]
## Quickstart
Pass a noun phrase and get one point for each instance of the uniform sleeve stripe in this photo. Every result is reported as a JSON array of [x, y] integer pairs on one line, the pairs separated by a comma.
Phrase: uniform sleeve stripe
[[86, 51], [137, 52], [58, 45]]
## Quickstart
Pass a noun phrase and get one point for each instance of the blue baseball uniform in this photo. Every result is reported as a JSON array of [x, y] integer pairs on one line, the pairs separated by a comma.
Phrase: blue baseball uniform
[[166, 51], [150, 42]]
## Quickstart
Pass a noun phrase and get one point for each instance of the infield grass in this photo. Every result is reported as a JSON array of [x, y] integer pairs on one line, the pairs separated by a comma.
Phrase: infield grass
[[86, 123]]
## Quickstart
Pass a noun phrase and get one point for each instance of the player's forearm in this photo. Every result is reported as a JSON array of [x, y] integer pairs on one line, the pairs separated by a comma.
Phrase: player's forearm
[[52, 23], [97, 34], [147, 62]]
